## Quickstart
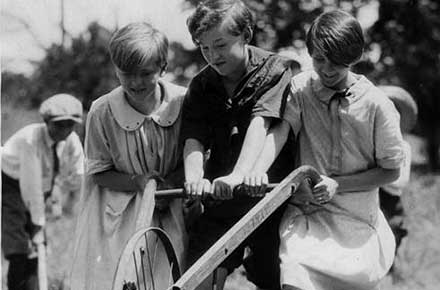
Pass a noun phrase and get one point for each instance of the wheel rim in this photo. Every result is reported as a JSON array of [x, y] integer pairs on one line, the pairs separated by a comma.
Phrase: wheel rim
[[142, 260]]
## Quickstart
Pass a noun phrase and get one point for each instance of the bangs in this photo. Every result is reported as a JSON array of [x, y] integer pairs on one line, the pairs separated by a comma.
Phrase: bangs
[[138, 45], [208, 15], [134, 59], [337, 36]]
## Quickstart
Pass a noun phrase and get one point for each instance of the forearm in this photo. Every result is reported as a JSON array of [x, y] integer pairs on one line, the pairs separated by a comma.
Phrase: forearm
[[274, 142], [119, 181], [252, 145], [193, 160], [366, 180]]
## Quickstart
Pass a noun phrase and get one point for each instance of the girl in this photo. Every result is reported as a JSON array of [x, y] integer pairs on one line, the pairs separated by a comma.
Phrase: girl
[[131, 136], [349, 131]]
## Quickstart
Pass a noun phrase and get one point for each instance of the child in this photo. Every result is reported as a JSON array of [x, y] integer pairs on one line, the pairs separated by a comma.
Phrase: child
[[240, 83], [389, 194], [40, 161], [131, 136], [349, 131]]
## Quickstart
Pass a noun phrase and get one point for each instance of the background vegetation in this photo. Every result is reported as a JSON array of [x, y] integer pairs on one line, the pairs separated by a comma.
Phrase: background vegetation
[[403, 48]]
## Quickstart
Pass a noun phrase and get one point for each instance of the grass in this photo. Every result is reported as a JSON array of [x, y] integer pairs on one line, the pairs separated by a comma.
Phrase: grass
[[417, 262]]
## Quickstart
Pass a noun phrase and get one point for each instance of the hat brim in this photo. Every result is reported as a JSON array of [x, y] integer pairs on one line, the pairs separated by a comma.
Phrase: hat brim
[[64, 118], [405, 104]]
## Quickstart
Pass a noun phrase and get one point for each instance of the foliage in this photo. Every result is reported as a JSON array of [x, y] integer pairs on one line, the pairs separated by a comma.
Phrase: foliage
[[82, 69], [408, 34], [402, 49], [283, 23]]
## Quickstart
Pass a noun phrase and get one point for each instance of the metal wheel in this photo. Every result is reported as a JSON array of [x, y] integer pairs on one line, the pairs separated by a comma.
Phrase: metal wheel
[[148, 262]]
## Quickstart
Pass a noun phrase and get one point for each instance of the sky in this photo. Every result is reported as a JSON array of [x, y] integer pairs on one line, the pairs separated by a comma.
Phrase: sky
[[28, 25]]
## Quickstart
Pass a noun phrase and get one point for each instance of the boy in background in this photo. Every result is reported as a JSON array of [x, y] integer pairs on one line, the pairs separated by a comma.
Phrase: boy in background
[[39, 162]]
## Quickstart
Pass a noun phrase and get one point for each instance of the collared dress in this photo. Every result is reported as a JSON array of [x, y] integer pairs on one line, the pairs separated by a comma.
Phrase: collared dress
[[346, 243], [120, 138], [28, 174]]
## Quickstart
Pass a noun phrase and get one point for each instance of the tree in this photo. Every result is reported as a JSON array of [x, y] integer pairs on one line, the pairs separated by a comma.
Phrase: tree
[[408, 34], [83, 69]]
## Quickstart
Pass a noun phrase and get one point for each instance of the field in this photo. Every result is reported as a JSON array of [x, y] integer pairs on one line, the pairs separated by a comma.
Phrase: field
[[417, 262]]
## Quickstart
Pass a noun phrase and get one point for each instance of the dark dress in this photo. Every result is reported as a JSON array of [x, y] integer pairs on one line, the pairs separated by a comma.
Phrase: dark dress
[[220, 123]]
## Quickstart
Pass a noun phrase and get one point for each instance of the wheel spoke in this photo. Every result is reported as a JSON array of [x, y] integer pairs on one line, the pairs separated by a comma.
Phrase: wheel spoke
[[136, 270], [154, 248], [142, 254], [150, 266]]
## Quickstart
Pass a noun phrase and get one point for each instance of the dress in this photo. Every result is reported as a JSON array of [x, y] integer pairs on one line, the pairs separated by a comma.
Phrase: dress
[[347, 243], [118, 137]]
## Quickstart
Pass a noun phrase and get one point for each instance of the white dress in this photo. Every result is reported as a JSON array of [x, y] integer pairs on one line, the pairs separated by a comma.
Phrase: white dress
[[347, 243]]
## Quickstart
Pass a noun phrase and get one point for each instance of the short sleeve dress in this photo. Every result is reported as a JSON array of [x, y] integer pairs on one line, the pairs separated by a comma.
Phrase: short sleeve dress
[[119, 137], [346, 243]]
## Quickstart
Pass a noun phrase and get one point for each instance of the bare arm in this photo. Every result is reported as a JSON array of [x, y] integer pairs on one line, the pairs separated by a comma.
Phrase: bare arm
[[274, 142], [193, 160], [222, 187], [193, 153], [252, 145], [256, 180], [366, 180]]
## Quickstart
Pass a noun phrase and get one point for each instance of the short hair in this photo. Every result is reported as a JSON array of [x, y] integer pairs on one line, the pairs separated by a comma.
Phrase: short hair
[[338, 36], [136, 45], [211, 13]]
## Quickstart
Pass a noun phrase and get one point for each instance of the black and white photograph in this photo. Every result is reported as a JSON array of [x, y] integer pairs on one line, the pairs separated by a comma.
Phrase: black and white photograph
[[220, 144]]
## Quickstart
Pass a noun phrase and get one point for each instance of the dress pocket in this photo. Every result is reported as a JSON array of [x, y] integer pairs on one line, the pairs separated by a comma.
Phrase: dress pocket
[[116, 203]]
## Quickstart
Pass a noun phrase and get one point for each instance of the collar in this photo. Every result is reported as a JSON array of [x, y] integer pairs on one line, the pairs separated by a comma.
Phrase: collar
[[354, 93], [257, 55], [166, 115], [47, 139]]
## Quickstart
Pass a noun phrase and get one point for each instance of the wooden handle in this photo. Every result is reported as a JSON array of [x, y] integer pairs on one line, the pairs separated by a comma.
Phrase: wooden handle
[[180, 193], [42, 269], [146, 210]]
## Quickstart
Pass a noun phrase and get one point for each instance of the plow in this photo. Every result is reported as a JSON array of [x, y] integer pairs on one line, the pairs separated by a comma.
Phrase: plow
[[142, 266]]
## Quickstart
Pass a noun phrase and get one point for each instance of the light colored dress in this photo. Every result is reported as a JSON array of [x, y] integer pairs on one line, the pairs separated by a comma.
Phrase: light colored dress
[[347, 243], [120, 138]]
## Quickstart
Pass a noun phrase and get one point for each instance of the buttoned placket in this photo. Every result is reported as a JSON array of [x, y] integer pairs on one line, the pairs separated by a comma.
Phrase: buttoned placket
[[336, 133]]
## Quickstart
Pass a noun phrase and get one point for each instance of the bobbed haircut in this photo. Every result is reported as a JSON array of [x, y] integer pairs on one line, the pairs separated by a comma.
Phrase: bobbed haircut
[[212, 13], [136, 45], [338, 36]]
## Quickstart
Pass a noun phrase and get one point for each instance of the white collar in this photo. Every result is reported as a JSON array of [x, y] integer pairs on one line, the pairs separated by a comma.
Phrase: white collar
[[166, 115], [356, 91]]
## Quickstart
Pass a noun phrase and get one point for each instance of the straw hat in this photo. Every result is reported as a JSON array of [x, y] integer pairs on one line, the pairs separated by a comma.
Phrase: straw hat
[[405, 104]]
